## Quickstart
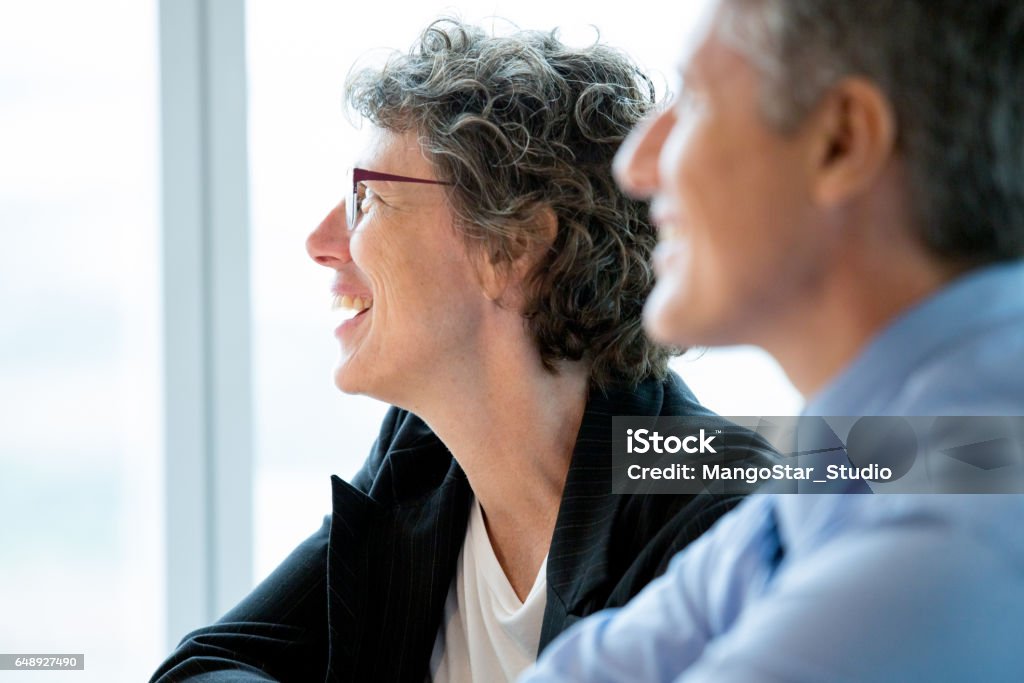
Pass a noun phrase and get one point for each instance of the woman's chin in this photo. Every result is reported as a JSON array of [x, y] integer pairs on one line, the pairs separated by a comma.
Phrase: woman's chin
[[346, 378], [353, 378]]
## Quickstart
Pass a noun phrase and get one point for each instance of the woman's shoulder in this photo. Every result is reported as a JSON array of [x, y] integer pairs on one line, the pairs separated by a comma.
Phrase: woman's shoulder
[[667, 396]]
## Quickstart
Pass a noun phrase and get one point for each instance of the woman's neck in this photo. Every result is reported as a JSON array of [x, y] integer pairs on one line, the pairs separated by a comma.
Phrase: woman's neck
[[512, 425]]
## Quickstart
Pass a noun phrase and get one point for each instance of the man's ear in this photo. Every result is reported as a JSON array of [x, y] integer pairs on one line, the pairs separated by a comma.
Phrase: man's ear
[[505, 274], [855, 138]]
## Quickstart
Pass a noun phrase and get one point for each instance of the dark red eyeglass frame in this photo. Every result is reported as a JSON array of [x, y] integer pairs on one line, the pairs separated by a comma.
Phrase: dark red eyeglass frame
[[361, 174]]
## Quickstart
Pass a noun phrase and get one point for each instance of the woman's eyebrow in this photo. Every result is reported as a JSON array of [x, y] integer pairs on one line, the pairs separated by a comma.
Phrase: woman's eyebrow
[[383, 187]]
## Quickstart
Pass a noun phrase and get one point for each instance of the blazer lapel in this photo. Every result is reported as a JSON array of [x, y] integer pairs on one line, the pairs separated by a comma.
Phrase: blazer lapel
[[392, 561], [578, 561], [348, 566]]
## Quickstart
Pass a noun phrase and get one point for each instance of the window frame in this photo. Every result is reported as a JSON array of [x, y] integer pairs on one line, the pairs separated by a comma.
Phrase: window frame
[[207, 322]]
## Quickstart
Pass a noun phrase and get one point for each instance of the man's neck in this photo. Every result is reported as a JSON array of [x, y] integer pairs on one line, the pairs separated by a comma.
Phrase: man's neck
[[860, 298]]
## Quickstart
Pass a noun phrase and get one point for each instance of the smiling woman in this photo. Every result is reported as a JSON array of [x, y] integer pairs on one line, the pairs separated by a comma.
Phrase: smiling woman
[[418, 291], [523, 133], [497, 277], [298, 55]]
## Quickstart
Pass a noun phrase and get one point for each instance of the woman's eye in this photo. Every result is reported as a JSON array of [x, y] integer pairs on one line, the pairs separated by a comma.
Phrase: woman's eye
[[367, 200]]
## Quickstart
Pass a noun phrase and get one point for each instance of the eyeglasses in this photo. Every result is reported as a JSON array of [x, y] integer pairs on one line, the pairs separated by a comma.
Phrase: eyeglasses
[[360, 175]]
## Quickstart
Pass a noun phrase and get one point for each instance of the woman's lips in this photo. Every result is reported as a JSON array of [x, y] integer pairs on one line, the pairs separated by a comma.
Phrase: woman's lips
[[351, 308], [345, 327]]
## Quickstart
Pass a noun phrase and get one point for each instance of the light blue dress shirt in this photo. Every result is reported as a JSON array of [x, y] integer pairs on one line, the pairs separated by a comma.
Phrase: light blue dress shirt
[[858, 588]]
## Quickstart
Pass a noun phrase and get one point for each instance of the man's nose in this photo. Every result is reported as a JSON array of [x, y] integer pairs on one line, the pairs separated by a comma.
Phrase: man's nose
[[328, 244], [636, 163]]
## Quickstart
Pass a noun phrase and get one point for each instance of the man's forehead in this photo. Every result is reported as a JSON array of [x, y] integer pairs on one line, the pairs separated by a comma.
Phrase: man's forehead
[[697, 36], [713, 59]]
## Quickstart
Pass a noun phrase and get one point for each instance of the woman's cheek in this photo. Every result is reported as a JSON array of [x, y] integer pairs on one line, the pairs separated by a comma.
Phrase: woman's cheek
[[362, 247]]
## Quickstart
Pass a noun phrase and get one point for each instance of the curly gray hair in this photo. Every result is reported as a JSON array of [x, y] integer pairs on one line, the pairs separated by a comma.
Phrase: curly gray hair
[[520, 125]]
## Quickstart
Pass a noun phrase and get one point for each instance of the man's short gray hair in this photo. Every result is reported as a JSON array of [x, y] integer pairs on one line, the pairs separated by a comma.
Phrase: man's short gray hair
[[953, 71]]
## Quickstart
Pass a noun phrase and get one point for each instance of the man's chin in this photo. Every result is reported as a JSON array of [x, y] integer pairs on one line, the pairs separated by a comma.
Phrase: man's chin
[[665, 315]]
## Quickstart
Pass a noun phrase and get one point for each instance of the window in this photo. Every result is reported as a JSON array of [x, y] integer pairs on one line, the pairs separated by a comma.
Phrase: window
[[81, 543]]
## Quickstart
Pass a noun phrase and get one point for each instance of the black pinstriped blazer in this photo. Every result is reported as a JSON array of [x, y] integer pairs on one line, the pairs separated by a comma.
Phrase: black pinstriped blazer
[[363, 598]]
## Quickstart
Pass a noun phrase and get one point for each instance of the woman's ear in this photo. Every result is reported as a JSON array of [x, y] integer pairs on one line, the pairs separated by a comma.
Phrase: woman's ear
[[493, 275], [505, 273]]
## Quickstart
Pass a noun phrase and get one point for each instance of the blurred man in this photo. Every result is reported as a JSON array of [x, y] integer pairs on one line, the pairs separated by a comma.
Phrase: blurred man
[[841, 183]]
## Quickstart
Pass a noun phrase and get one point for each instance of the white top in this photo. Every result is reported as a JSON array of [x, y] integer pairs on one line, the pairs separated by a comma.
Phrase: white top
[[488, 634]]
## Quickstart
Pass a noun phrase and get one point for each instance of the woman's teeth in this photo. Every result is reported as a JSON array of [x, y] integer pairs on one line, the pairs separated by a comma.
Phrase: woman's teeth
[[350, 306]]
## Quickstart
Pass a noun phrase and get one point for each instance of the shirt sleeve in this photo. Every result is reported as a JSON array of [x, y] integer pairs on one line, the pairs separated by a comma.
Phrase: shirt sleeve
[[914, 601], [277, 633], [885, 600], [665, 629]]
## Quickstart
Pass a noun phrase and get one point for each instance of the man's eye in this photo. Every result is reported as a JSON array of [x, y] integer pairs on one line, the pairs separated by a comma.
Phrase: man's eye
[[685, 102]]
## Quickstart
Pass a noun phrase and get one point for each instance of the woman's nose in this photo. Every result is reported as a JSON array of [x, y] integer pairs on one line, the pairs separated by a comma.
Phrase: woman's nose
[[328, 243]]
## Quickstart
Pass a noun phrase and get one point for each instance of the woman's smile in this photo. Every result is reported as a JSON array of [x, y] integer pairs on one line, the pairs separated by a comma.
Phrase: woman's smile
[[352, 309]]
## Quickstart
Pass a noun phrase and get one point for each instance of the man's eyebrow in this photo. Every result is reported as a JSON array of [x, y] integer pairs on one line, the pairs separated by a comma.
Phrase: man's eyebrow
[[687, 75], [682, 88]]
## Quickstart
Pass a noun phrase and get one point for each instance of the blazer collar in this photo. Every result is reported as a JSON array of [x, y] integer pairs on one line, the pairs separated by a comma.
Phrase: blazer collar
[[398, 543], [391, 560], [578, 561], [415, 465]]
